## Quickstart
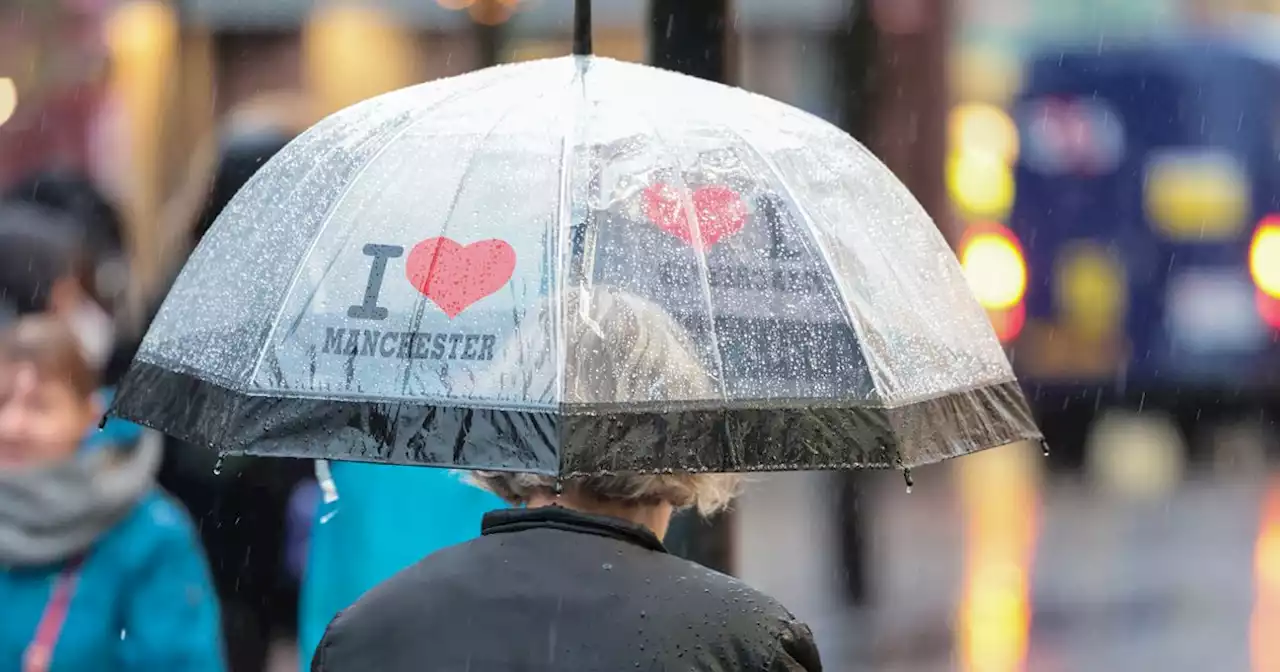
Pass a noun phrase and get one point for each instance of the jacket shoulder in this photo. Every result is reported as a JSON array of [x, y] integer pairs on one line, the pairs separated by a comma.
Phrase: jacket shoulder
[[753, 618], [718, 586], [155, 522], [161, 514]]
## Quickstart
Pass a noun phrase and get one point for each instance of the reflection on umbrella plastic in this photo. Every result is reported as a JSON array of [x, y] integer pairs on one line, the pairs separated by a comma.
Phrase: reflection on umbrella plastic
[[1266, 570], [1001, 524]]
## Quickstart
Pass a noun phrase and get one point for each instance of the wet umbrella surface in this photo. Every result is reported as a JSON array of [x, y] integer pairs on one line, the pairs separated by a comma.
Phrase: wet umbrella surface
[[472, 272]]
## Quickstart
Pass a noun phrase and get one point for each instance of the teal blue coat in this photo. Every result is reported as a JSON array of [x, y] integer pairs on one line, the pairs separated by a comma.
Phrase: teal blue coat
[[143, 601], [386, 518]]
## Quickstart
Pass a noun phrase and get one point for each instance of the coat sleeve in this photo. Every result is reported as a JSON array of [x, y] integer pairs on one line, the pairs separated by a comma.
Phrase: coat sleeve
[[797, 651], [171, 619]]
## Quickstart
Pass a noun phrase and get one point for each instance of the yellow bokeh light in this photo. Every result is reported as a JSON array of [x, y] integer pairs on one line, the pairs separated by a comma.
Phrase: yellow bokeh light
[[8, 99], [353, 52], [1001, 525], [986, 74], [996, 273], [141, 29], [983, 128], [1266, 571], [980, 184], [1090, 290], [1197, 197], [1264, 259]]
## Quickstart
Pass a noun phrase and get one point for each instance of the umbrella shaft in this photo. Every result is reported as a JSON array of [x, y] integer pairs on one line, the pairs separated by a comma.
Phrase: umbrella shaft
[[582, 28]]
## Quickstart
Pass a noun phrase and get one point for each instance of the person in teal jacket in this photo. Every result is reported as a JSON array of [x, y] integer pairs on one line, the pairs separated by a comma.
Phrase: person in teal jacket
[[373, 521], [99, 569]]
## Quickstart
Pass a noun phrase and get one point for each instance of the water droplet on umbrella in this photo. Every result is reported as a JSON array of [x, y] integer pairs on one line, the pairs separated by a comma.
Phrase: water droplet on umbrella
[[607, 566]]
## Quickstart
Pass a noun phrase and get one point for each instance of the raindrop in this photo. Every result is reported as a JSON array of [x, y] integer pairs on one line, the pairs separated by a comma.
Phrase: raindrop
[[1044, 448], [906, 476], [217, 467]]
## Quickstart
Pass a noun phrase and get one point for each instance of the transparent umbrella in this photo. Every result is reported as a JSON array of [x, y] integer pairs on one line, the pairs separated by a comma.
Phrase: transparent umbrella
[[577, 265]]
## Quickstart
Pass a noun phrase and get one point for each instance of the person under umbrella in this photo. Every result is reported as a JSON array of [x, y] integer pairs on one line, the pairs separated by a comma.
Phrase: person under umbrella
[[579, 579]]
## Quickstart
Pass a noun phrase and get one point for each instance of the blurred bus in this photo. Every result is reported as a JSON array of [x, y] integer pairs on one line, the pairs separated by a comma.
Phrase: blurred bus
[[1139, 265]]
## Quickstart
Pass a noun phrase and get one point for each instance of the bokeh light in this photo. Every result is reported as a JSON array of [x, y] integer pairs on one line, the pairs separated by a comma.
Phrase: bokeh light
[[985, 74], [8, 99], [1264, 257], [491, 12], [980, 184], [354, 53], [983, 128], [995, 269], [1090, 290]]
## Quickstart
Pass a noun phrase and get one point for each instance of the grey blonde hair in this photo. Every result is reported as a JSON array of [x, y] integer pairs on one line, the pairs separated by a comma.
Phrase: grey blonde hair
[[624, 350]]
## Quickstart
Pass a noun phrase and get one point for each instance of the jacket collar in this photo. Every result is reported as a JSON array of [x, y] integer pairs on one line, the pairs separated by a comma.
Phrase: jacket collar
[[559, 518]]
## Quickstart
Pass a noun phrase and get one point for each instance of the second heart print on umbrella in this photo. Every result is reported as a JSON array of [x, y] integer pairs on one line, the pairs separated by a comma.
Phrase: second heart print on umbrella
[[456, 276], [719, 210]]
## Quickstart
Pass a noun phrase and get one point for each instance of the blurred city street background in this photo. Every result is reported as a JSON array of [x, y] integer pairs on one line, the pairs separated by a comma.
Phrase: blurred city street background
[[1062, 576]]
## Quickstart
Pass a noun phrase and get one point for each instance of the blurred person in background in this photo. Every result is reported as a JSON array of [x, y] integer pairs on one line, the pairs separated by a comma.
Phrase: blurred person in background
[[354, 545], [349, 545], [44, 269], [99, 570], [101, 227]]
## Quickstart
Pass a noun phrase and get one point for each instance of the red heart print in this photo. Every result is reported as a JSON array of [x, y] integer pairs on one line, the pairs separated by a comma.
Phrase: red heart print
[[719, 209], [454, 276]]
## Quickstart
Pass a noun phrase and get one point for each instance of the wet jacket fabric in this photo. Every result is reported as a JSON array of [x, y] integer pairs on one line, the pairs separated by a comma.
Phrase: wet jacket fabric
[[142, 601], [553, 590], [395, 515]]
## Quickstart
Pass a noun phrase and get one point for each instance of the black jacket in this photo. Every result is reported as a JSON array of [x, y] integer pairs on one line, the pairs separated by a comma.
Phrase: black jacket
[[553, 590]]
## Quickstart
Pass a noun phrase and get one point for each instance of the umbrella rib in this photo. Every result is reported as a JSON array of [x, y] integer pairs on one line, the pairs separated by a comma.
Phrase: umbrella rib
[[837, 283], [704, 272], [564, 224], [515, 103], [422, 115]]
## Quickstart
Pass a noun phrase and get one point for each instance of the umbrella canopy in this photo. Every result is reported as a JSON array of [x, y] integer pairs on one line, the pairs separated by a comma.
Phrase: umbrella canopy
[[571, 266]]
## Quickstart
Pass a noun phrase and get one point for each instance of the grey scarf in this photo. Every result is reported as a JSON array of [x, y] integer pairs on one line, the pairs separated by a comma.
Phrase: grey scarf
[[49, 514]]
